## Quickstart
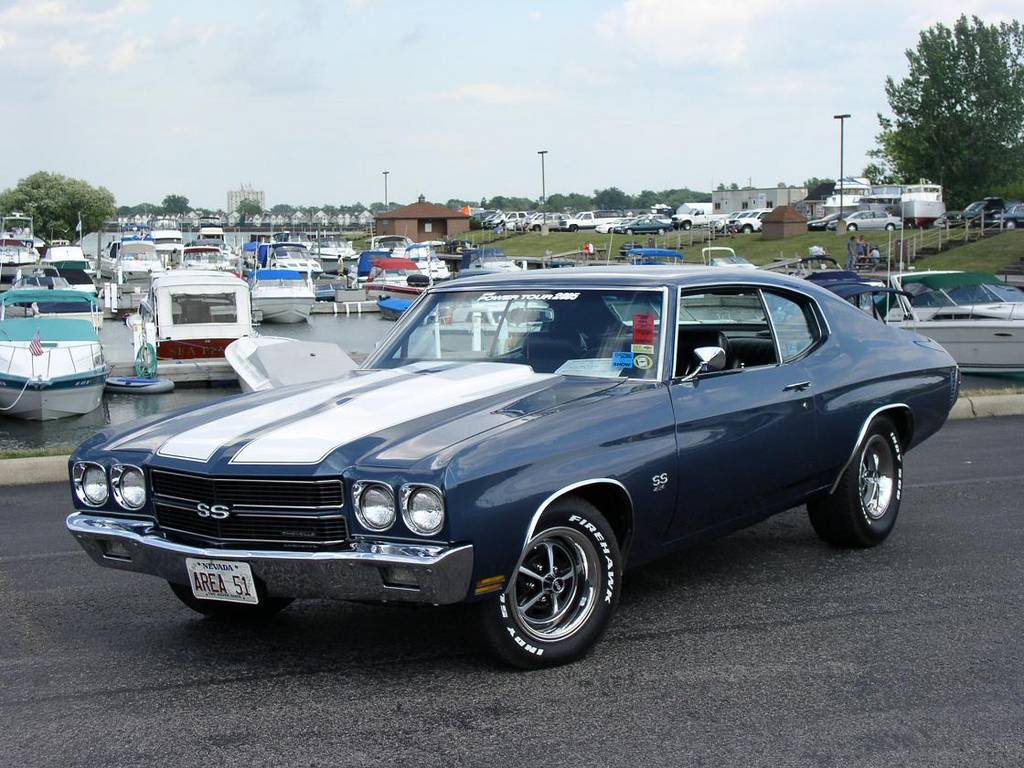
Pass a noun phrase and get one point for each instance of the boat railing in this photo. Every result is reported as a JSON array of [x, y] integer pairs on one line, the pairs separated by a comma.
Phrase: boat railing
[[28, 362]]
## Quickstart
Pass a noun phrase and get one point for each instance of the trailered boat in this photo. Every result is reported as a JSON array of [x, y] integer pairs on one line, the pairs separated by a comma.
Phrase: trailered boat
[[50, 367], [282, 295], [191, 315]]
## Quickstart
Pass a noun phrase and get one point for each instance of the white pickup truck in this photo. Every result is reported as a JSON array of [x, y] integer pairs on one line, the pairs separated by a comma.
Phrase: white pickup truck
[[690, 215], [590, 220]]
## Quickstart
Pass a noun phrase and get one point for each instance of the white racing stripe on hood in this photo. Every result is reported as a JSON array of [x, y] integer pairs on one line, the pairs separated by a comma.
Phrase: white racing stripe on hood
[[200, 443], [312, 439]]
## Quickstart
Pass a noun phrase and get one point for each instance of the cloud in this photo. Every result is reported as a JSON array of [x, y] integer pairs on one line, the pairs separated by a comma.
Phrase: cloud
[[498, 95], [71, 55], [128, 53]]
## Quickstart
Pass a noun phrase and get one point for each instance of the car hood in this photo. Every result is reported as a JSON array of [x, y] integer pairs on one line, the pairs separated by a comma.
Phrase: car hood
[[392, 417]]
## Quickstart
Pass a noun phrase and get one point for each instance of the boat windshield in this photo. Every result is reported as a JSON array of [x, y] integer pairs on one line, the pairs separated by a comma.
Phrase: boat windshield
[[193, 309], [1006, 292], [595, 333]]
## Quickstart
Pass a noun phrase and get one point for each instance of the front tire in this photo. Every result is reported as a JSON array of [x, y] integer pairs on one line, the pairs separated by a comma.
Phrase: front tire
[[747, 229], [863, 509], [562, 594], [1011, 224], [851, 227], [234, 612]]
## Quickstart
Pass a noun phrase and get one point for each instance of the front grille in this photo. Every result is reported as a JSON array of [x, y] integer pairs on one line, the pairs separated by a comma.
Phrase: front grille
[[250, 493], [307, 530]]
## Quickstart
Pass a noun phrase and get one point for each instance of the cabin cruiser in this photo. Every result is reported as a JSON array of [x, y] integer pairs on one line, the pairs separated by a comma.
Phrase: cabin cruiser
[[282, 295], [191, 314], [17, 243], [394, 244], [62, 255], [852, 191], [921, 204], [206, 257], [50, 367], [288, 256], [45, 296], [131, 261], [487, 260], [167, 238], [389, 276], [269, 362], [428, 261]]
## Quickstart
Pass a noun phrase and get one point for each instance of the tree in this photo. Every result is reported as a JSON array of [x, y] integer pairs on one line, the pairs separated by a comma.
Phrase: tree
[[958, 115], [175, 204], [734, 186], [612, 197], [814, 181], [247, 209], [55, 202]]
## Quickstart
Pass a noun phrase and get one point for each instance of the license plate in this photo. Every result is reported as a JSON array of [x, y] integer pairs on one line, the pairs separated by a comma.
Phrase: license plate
[[225, 580]]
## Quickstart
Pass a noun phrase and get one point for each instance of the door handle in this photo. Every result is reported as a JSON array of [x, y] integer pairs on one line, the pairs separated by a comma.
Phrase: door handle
[[800, 386]]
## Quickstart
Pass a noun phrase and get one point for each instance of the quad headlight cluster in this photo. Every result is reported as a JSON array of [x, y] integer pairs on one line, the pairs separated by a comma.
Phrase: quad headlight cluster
[[94, 487], [421, 506]]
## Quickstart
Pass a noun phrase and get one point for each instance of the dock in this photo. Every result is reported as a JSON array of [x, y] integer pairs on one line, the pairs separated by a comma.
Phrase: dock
[[185, 373]]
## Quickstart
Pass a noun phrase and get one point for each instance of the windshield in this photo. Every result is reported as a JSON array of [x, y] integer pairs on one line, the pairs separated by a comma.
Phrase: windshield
[[597, 333], [1006, 292]]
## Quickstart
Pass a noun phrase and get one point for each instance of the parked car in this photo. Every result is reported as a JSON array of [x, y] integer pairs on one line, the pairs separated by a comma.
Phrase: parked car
[[868, 220], [749, 221], [691, 215], [643, 224], [590, 219], [515, 221], [431, 476], [986, 212], [1014, 216], [820, 225], [606, 227], [538, 220]]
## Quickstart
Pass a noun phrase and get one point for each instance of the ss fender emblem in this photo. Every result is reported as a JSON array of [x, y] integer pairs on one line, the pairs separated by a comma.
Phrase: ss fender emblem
[[217, 511], [659, 482]]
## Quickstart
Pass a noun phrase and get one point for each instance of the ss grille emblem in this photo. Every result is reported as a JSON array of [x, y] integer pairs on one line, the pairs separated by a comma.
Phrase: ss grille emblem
[[216, 511]]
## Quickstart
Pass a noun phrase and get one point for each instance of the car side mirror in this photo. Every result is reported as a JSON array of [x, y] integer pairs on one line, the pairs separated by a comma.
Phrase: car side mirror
[[709, 359]]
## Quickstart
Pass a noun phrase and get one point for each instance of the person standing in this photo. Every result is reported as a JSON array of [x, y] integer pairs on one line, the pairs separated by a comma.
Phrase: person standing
[[851, 252]]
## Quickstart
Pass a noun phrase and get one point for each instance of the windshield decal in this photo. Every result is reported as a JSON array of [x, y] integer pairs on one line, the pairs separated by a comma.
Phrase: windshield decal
[[561, 296]]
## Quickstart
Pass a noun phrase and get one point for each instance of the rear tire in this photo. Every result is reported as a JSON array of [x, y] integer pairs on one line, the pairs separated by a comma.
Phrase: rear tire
[[863, 509], [687, 225], [563, 591], [747, 229], [238, 612], [1011, 224], [890, 227], [851, 227]]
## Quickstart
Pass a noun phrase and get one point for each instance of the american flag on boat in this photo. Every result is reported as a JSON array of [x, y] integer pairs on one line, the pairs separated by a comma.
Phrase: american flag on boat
[[35, 346]]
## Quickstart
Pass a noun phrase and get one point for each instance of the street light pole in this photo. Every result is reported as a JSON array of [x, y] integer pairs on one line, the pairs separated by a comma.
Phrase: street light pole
[[386, 190], [842, 138], [543, 183]]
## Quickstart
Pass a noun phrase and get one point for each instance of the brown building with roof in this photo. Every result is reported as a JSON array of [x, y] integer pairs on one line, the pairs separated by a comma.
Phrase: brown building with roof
[[422, 221], [784, 221]]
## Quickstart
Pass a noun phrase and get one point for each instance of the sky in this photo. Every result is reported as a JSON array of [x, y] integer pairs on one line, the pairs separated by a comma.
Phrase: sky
[[311, 100]]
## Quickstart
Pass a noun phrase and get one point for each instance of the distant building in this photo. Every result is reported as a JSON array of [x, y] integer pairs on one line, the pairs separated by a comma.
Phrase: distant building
[[813, 204], [422, 221], [235, 196], [728, 200]]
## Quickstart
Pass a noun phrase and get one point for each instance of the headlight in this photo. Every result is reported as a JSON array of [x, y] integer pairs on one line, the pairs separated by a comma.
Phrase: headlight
[[129, 486], [374, 504], [90, 481], [422, 509]]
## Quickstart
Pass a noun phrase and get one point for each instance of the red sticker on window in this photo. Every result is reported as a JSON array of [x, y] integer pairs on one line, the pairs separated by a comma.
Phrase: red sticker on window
[[643, 328]]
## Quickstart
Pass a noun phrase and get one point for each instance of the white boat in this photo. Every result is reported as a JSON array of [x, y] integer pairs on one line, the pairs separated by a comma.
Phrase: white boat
[[294, 256], [721, 256], [428, 261], [17, 243], [921, 204], [395, 277], [206, 257], [852, 191], [191, 314], [395, 244], [167, 238], [282, 295], [49, 368], [46, 296], [131, 261], [983, 338], [63, 255], [268, 362]]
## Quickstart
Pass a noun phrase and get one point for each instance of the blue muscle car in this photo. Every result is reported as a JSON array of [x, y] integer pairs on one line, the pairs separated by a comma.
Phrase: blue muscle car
[[520, 440]]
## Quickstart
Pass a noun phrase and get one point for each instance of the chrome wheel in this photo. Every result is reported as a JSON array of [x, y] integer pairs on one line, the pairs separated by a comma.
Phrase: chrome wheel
[[554, 591], [877, 477]]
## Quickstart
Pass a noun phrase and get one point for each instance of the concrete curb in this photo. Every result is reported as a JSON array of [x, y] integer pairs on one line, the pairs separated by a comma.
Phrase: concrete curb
[[32, 470], [54, 469]]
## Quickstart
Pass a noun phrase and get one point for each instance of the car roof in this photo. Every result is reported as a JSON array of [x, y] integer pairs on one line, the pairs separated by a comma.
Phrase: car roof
[[627, 276]]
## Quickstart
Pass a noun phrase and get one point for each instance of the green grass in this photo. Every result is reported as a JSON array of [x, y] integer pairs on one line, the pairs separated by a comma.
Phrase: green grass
[[28, 453]]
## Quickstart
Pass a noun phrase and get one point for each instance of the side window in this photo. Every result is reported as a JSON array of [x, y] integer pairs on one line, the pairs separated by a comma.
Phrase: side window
[[731, 318], [794, 322]]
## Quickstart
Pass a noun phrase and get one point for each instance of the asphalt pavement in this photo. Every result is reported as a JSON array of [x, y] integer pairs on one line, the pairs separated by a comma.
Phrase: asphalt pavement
[[764, 648]]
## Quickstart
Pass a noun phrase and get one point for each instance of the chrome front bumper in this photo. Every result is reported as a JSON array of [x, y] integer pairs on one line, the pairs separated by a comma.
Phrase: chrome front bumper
[[368, 571]]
